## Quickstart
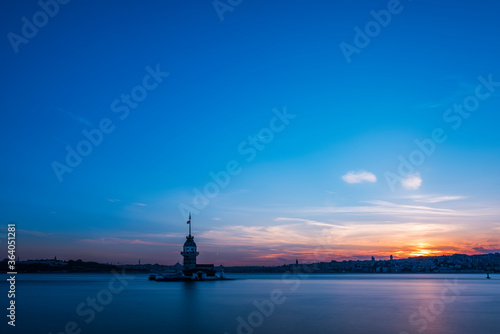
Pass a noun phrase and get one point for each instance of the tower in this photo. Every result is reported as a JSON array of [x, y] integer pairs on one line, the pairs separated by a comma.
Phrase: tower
[[189, 251]]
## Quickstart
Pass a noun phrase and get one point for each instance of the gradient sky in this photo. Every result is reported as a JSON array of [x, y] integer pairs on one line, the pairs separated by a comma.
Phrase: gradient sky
[[316, 190]]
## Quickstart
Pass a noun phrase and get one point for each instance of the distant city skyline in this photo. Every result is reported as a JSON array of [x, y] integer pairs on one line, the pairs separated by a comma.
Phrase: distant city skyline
[[119, 118]]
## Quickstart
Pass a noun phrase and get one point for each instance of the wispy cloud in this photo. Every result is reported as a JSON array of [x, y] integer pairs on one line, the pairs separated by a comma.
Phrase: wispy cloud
[[272, 236], [359, 177], [307, 221], [177, 236], [435, 199], [81, 119], [113, 200], [139, 204], [487, 250], [108, 241], [36, 233], [77, 118], [378, 207], [412, 182]]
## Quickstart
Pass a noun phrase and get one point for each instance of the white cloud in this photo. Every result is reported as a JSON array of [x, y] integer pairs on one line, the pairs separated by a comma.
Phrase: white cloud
[[139, 204], [435, 199], [412, 182], [358, 177]]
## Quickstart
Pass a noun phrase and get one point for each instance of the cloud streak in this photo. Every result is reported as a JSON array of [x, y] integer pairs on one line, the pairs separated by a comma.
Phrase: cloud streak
[[359, 177], [378, 207], [435, 199], [111, 241]]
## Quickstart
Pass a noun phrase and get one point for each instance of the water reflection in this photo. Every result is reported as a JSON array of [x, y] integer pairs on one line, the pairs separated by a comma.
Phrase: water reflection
[[189, 306]]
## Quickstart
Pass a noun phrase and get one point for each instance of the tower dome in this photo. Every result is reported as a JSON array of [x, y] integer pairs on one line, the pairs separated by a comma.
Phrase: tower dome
[[190, 242]]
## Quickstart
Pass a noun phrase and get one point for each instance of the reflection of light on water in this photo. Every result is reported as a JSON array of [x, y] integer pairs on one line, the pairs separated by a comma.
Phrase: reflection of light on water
[[435, 312]]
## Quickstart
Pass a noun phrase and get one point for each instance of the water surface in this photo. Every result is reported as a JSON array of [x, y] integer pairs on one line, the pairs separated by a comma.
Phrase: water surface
[[259, 303]]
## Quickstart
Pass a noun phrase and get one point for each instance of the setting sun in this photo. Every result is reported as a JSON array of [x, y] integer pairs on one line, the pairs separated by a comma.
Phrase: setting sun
[[425, 252]]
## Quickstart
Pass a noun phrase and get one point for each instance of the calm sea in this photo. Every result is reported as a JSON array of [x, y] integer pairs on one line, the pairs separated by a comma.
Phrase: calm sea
[[261, 303]]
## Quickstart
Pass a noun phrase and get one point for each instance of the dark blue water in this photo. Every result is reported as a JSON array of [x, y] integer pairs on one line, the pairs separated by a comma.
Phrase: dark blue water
[[364, 303]]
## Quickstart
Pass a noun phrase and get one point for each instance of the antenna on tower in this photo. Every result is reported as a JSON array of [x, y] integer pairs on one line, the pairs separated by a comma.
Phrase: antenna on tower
[[189, 223]]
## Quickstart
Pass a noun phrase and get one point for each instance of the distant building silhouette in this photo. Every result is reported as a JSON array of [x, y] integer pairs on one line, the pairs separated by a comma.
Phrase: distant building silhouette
[[178, 267]]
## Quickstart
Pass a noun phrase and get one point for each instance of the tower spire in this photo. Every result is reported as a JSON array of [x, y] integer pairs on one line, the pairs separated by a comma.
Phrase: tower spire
[[189, 251]]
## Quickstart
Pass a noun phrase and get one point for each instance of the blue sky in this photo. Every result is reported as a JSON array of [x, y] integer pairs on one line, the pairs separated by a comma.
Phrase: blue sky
[[315, 190]]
